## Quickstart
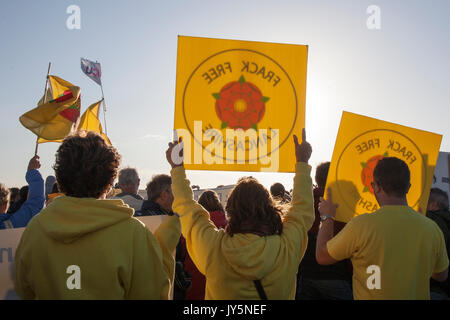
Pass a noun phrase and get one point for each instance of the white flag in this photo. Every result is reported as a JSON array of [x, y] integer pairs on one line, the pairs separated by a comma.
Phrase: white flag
[[92, 69]]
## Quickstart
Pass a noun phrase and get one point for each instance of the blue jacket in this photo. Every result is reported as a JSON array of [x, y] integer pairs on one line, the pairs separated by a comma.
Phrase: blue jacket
[[32, 206]]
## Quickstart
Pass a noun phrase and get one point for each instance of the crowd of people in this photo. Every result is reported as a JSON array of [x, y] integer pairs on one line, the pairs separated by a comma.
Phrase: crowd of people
[[264, 244]]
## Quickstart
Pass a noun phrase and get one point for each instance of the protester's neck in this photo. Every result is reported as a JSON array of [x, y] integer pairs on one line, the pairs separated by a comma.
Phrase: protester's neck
[[393, 201]]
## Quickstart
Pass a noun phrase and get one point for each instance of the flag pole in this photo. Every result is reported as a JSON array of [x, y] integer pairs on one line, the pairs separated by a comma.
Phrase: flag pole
[[104, 109], [45, 101]]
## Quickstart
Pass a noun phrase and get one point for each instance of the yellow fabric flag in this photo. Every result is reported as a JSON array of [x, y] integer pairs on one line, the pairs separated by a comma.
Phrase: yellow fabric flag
[[54, 119], [57, 87], [238, 103], [361, 142], [90, 122]]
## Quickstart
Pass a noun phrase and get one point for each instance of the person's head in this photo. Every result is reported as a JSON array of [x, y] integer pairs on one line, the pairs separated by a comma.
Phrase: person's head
[[251, 209], [322, 174], [391, 180], [4, 198], [210, 201], [129, 180], [277, 190], [85, 166], [438, 200], [14, 194], [23, 194], [159, 190]]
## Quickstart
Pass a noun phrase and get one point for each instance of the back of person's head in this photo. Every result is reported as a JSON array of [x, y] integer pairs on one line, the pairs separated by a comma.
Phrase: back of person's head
[[55, 188], [322, 174], [440, 197], [23, 192], [277, 190], [4, 194], [393, 175], [128, 176], [251, 209], [85, 166], [210, 201], [157, 185], [14, 194]]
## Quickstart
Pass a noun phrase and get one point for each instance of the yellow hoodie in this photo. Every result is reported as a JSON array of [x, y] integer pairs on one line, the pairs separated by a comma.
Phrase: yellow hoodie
[[117, 256], [230, 264]]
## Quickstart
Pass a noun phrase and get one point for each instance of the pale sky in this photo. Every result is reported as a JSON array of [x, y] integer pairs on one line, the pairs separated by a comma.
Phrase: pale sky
[[398, 73]]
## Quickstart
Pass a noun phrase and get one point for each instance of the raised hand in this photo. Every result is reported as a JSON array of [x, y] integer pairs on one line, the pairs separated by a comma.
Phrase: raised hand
[[327, 207], [34, 163], [302, 151], [174, 154]]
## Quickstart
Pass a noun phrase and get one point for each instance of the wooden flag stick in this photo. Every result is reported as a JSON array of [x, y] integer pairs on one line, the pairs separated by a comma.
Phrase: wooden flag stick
[[104, 109], [45, 101]]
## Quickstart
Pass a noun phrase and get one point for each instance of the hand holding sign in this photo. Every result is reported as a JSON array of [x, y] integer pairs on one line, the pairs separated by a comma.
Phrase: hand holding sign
[[302, 151], [174, 153], [327, 207]]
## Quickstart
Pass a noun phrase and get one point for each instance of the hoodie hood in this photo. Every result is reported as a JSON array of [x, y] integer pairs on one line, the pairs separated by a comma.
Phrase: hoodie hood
[[67, 219], [251, 256]]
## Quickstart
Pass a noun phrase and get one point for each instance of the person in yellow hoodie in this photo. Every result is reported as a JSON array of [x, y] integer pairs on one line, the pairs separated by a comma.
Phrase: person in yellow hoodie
[[83, 246], [258, 255]]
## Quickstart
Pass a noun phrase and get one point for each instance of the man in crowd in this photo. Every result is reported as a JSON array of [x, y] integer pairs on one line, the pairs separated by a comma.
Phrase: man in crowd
[[31, 206], [395, 250], [437, 210], [129, 184], [159, 195]]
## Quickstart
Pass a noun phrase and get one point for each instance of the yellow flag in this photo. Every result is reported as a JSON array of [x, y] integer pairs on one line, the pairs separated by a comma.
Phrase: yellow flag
[[54, 119], [90, 122], [361, 142], [238, 103]]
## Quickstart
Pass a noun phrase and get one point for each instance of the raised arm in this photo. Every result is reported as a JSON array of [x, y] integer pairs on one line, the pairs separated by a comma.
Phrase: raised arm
[[300, 216], [199, 231], [36, 198]]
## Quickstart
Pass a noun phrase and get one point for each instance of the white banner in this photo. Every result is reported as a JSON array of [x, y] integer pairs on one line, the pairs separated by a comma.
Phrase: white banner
[[9, 240], [442, 172], [92, 69]]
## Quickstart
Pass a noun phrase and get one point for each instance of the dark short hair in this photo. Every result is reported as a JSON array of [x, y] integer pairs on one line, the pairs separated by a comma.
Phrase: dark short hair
[[322, 174], [440, 197], [277, 190], [393, 175], [157, 185], [85, 166]]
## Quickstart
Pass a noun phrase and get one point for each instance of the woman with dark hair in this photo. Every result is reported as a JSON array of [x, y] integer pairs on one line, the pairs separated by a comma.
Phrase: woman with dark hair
[[83, 246], [210, 201], [258, 254]]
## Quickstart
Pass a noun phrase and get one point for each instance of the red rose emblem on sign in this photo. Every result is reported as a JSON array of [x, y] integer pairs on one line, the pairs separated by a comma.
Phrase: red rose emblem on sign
[[367, 172], [240, 105]]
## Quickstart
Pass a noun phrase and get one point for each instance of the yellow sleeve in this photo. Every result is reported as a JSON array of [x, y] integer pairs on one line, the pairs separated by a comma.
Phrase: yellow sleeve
[[168, 234], [343, 245], [300, 216], [200, 233], [21, 284]]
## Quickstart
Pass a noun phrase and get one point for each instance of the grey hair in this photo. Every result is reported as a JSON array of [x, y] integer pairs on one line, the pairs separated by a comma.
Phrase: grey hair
[[441, 198], [128, 176], [157, 185]]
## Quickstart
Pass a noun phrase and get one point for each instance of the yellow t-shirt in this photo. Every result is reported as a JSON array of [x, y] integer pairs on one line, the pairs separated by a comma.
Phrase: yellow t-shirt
[[394, 252]]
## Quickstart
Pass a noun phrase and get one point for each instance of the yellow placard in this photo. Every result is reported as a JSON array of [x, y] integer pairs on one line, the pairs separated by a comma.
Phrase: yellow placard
[[238, 103], [361, 142]]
